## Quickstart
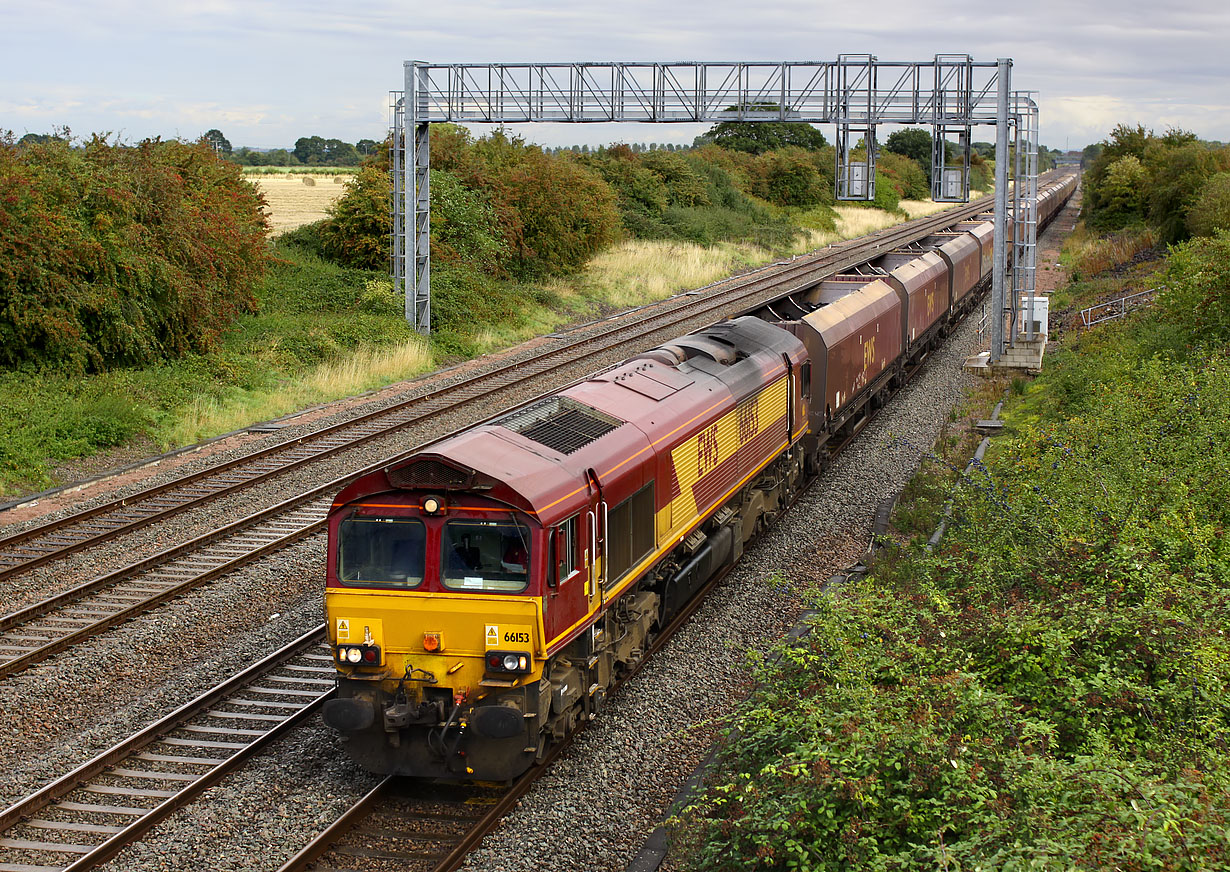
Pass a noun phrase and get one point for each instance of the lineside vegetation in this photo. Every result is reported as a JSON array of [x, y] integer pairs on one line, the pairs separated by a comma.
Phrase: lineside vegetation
[[1047, 690], [141, 303]]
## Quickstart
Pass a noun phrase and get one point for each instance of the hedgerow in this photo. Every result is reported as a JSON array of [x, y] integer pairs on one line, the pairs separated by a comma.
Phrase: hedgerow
[[1049, 688], [115, 255]]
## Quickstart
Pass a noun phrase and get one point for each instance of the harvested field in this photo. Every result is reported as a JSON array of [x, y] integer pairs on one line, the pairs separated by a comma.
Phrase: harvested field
[[298, 198]]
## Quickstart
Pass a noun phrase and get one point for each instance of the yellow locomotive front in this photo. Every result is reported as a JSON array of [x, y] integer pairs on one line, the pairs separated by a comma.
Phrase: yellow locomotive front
[[434, 617]]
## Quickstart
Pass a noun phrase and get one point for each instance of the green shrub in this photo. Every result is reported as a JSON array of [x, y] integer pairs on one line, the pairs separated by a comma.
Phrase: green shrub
[[1211, 210], [359, 225], [464, 228], [907, 177], [115, 255], [1196, 293], [790, 178]]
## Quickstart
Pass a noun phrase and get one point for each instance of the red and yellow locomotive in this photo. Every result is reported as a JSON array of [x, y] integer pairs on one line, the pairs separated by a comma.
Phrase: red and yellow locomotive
[[484, 593]]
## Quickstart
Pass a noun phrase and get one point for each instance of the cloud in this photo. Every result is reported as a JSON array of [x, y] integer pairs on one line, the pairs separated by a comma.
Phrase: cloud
[[273, 70]]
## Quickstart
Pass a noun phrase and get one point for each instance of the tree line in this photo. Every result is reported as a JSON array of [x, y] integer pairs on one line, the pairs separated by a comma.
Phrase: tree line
[[1174, 182], [308, 151]]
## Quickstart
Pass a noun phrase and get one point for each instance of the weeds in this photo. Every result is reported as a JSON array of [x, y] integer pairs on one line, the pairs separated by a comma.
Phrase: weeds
[[1086, 255]]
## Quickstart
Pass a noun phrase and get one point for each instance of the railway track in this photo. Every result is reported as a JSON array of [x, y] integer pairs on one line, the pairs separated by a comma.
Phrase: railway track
[[91, 814], [39, 631], [410, 825], [144, 779], [40, 545]]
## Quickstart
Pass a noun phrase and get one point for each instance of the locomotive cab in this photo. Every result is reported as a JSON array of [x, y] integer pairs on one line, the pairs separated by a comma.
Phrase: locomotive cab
[[432, 602]]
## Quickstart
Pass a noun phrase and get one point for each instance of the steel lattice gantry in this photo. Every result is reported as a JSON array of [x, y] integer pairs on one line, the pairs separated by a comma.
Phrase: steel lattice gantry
[[951, 93]]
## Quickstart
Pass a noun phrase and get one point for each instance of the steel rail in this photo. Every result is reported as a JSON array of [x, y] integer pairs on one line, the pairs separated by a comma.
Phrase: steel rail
[[39, 545], [206, 706]]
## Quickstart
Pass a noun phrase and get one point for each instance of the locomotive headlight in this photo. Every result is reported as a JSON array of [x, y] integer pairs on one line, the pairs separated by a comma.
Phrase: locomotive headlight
[[433, 505], [353, 655], [509, 661]]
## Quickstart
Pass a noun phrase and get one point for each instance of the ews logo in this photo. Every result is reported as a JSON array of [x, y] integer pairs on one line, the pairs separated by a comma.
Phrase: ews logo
[[706, 450], [749, 421], [869, 353]]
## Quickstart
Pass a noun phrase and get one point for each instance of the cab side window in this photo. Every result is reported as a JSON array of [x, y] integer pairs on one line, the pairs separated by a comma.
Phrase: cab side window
[[564, 550]]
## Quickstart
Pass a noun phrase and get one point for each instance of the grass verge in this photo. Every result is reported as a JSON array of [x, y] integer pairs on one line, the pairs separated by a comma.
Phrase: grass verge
[[324, 332]]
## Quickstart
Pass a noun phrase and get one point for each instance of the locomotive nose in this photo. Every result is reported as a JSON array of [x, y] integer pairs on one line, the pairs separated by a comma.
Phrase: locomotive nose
[[348, 715]]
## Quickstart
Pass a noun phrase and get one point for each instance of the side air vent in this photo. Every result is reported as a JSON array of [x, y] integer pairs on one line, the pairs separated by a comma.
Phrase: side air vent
[[560, 423], [429, 475]]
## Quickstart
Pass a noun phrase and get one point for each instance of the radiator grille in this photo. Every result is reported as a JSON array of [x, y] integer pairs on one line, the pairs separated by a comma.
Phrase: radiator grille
[[428, 475], [560, 423]]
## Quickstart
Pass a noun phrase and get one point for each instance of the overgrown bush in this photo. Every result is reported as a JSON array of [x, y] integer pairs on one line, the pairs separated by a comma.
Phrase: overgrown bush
[[1138, 176], [906, 176], [1050, 689], [359, 225], [1196, 296], [1211, 211], [115, 255]]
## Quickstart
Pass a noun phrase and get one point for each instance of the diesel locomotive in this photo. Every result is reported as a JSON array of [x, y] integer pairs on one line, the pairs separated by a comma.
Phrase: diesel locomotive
[[483, 594]]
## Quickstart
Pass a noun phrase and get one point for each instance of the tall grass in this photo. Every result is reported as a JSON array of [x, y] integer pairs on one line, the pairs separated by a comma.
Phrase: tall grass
[[853, 221], [919, 208], [640, 271], [1086, 254], [367, 368]]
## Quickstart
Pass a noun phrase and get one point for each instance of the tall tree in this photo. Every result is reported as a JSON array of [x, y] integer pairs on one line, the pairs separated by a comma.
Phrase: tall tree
[[221, 145], [757, 137], [311, 149], [912, 142]]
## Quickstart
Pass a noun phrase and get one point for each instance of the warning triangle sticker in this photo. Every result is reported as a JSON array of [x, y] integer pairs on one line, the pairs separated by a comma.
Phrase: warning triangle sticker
[[493, 634]]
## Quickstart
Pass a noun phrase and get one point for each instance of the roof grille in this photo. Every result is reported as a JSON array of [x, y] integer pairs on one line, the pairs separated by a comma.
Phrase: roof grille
[[428, 475], [560, 423]]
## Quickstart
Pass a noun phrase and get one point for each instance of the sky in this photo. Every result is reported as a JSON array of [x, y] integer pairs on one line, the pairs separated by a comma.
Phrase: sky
[[266, 72]]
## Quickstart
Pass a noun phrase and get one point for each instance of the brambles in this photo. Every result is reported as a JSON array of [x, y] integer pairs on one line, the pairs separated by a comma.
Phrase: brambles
[[115, 255], [1048, 689]]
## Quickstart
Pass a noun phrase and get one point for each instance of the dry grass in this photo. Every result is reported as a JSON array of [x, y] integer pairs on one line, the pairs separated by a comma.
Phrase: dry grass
[[363, 370], [919, 208], [641, 271], [1086, 254], [296, 198], [854, 221]]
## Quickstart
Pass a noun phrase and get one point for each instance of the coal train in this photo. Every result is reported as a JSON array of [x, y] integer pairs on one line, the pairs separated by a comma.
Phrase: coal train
[[483, 594]]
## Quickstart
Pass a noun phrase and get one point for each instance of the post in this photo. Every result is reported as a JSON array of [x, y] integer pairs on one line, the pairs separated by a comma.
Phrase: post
[[417, 194], [1000, 262]]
